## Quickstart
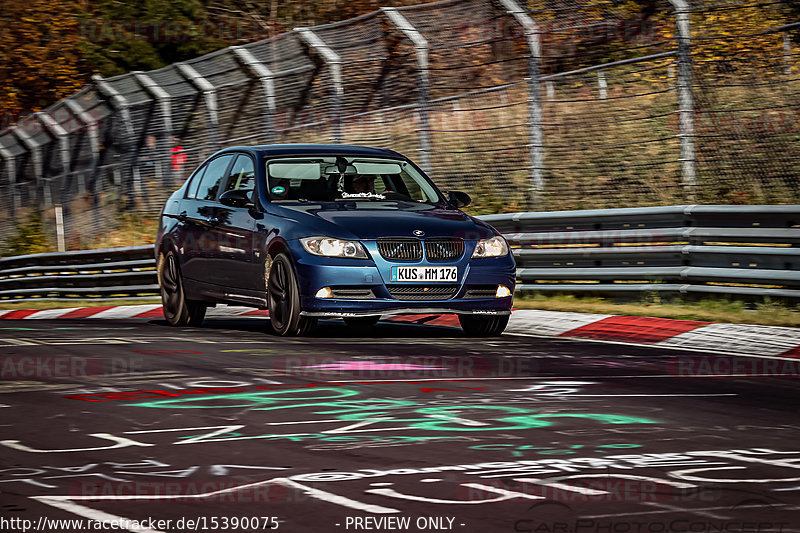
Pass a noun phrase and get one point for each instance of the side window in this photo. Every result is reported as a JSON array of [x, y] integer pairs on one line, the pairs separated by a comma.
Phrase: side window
[[212, 179], [242, 175], [194, 180]]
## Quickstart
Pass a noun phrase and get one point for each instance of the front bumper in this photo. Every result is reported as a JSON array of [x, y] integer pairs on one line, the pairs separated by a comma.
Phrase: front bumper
[[408, 311], [315, 272]]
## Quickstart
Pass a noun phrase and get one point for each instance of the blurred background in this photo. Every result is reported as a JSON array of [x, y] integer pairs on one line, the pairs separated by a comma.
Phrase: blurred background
[[107, 106]]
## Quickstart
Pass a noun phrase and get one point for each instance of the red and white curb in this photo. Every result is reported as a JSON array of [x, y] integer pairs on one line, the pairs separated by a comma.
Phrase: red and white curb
[[662, 332]]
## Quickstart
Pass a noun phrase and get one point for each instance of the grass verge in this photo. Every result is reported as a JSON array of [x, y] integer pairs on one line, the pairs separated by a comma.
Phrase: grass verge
[[33, 304]]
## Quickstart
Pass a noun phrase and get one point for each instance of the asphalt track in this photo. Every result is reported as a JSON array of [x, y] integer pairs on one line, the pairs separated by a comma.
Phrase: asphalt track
[[401, 428]]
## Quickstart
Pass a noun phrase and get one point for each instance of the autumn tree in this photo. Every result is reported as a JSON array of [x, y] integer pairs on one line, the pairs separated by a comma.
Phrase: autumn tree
[[40, 54]]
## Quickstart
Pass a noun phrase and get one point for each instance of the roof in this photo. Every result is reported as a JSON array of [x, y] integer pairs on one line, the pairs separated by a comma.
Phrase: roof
[[317, 149]]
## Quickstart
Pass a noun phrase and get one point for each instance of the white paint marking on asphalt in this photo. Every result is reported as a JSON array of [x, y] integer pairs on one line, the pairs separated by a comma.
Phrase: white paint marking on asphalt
[[687, 510], [562, 486], [657, 346], [92, 514], [680, 510], [334, 498]]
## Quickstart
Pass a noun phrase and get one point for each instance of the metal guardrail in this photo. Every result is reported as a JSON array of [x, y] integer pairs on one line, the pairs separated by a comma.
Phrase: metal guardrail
[[740, 250], [111, 273], [743, 250]]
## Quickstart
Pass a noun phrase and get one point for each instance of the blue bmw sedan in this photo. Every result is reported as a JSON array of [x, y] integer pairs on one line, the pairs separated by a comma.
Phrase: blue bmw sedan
[[316, 230]]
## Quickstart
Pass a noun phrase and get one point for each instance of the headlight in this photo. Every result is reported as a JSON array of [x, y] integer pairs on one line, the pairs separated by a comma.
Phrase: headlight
[[329, 247], [492, 247]]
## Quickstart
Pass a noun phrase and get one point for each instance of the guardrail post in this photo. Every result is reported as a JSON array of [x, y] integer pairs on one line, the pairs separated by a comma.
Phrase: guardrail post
[[165, 102], [120, 105], [90, 123], [264, 75], [11, 169], [334, 63], [685, 98], [36, 155], [532, 35], [421, 48], [55, 129], [209, 96], [59, 133]]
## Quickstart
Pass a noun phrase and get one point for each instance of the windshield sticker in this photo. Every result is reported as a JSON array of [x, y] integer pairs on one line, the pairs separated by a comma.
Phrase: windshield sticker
[[363, 195], [278, 190]]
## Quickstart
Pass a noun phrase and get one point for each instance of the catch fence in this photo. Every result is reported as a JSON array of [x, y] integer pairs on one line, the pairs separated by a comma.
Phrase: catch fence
[[553, 105]]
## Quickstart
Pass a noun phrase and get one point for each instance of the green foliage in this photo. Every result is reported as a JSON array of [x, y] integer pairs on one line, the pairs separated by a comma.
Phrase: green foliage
[[114, 45], [30, 238]]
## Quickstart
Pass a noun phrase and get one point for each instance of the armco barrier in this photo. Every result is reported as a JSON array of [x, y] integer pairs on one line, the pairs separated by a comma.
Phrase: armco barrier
[[742, 250], [111, 273]]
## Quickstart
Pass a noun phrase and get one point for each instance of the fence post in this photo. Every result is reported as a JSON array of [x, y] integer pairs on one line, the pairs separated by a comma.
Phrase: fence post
[[602, 84], [11, 169], [685, 99], [120, 105], [532, 32], [209, 96], [59, 133], [165, 103], [421, 48], [264, 75], [90, 123], [36, 154], [55, 129], [334, 63]]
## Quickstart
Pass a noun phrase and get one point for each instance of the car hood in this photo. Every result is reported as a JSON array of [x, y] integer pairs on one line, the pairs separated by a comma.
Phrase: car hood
[[368, 221]]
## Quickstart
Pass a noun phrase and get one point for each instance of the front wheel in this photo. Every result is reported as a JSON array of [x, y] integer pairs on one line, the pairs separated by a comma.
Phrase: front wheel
[[283, 300], [483, 325], [177, 309]]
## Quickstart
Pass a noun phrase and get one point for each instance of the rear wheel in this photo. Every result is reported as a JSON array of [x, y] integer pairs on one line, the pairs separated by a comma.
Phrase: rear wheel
[[283, 299], [483, 325], [177, 309]]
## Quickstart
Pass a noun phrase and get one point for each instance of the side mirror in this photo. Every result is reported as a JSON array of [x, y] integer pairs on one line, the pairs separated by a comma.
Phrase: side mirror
[[459, 199], [236, 199]]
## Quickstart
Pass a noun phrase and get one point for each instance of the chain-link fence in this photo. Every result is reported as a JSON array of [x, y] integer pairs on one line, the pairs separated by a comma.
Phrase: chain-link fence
[[557, 104]]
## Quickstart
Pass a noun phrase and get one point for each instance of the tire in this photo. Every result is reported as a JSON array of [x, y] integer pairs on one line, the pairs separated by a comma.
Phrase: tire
[[483, 325], [362, 323], [177, 309], [283, 300]]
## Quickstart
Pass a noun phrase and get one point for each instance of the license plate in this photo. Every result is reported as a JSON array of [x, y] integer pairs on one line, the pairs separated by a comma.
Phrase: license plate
[[425, 274]]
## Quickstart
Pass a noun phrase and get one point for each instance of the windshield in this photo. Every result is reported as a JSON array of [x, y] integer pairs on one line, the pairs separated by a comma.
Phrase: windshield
[[332, 178]]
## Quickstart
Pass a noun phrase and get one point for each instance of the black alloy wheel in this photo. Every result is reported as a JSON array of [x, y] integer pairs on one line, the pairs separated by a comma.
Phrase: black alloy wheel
[[483, 325], [177, 309], [283, 300]]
